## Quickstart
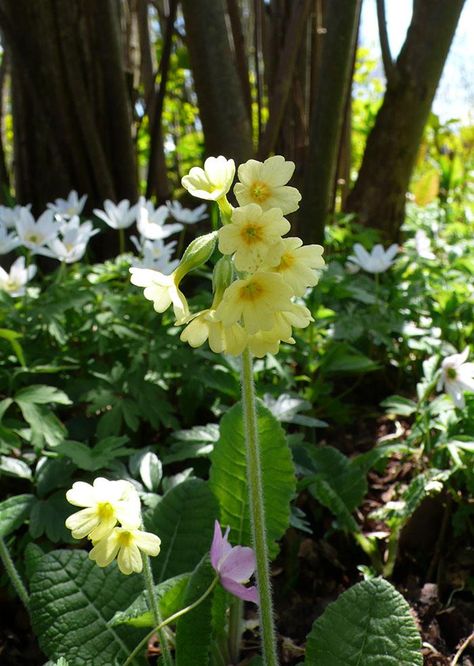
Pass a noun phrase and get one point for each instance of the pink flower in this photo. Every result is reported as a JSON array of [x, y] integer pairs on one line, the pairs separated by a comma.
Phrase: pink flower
[[234, 565]]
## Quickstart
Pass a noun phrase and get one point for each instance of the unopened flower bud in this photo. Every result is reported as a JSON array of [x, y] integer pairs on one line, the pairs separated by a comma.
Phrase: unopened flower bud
[[196, 254], [221, 278]]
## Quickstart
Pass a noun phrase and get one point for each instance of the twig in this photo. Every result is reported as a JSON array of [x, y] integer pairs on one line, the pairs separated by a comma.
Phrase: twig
[[461, 649]]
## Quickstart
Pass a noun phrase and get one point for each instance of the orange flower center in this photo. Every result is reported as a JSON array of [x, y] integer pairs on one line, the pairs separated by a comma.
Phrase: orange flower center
[[125, 539], [251, 233], [286, 262], [251, 291], [259, 191]]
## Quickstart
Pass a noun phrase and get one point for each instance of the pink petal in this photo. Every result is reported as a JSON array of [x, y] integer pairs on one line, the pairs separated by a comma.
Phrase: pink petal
[[239, 590], [220, 546], [239, 564]]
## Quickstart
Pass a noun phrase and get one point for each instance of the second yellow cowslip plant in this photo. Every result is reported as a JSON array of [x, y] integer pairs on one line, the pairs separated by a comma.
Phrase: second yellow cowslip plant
[[110, 517], [260, 274]]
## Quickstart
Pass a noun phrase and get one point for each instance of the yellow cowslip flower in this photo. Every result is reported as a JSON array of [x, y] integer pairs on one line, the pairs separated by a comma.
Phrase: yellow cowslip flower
[[268, 342], [264, 183], [298, 263], [255, 300], [213, 182], [162, 290], [125, 543], [222, 339], [251, 234], [106, 503]]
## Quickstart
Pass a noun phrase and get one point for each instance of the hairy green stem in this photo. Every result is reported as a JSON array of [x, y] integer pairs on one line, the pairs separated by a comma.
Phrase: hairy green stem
[[235, 629], [257, 512], [154, 607], [13, 573], [169, 620]]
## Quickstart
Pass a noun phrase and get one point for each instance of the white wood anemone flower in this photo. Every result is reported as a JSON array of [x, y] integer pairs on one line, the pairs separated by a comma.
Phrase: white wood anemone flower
[[377, 261], [264, 183], [8, 241], [213, 181], [104, 504], [187, 215], [151, 223], [72, 205], [35, 234], [456, 377], [14, 282], [117, 216]]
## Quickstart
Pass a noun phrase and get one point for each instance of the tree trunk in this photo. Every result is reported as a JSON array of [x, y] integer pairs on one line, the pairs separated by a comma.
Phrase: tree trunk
[[4, 177], [327, 117], [378, 197], [222, 108], [71, 112]]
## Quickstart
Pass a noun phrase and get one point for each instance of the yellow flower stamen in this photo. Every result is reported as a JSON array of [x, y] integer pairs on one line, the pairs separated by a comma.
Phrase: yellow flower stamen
[[260, 191]]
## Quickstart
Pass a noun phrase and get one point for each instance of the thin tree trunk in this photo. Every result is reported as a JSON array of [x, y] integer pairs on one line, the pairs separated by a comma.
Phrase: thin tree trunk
[[378, 197], [156, 129], [4, 177], [327, 117], [284, 75], [222, 108], [240, 53], [71, 112]]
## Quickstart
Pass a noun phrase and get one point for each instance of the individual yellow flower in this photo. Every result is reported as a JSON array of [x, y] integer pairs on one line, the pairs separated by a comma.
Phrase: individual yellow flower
[[251, 234], [266, 342], [125, 543], [255, 300], [222, 339], [298, 264], [212, 182], [106, 503], [162, 290], [264, 183]]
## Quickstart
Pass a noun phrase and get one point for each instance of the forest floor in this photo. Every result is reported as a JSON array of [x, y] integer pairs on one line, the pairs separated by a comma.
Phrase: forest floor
[[434, 573]]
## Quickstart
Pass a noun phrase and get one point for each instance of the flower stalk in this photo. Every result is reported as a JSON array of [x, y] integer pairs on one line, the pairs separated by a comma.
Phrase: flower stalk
[[13, 574], [155, 610], [169, 620], [257, 512]]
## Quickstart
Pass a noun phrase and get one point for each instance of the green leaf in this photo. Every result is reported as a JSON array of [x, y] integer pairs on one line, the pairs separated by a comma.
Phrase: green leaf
[[228, 476], [13, 513], [12, 338], [48, 517], [170, 597], [45, 426], [97, 457], [71, 603], [184, 521], [15, 467], [397, 404], [149, 467], [39, 394], [194, 630], [369, 625]]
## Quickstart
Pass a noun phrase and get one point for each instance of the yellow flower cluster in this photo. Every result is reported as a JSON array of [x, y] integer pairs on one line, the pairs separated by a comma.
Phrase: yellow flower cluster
[[261, 272], [105, 504]]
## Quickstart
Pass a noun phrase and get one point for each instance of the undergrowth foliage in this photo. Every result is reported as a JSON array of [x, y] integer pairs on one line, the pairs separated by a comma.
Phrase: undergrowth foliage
[[133, 419]]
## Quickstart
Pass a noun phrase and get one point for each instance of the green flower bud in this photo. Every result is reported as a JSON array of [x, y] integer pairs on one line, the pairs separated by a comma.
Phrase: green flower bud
[[196, 254], [222, 277]]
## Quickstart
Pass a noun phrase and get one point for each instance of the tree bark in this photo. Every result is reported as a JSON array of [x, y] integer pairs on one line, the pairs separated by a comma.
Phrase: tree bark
[[4, 176], [71, 112], [222, 108], [378, 197], [327, 117]]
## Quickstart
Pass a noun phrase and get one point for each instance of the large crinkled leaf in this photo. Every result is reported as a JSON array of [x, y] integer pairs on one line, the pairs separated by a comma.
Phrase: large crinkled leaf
[[184, 521], [71, 603], [13, 513], [229, 479], [169, 594], [369, 625], [194, 630]]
